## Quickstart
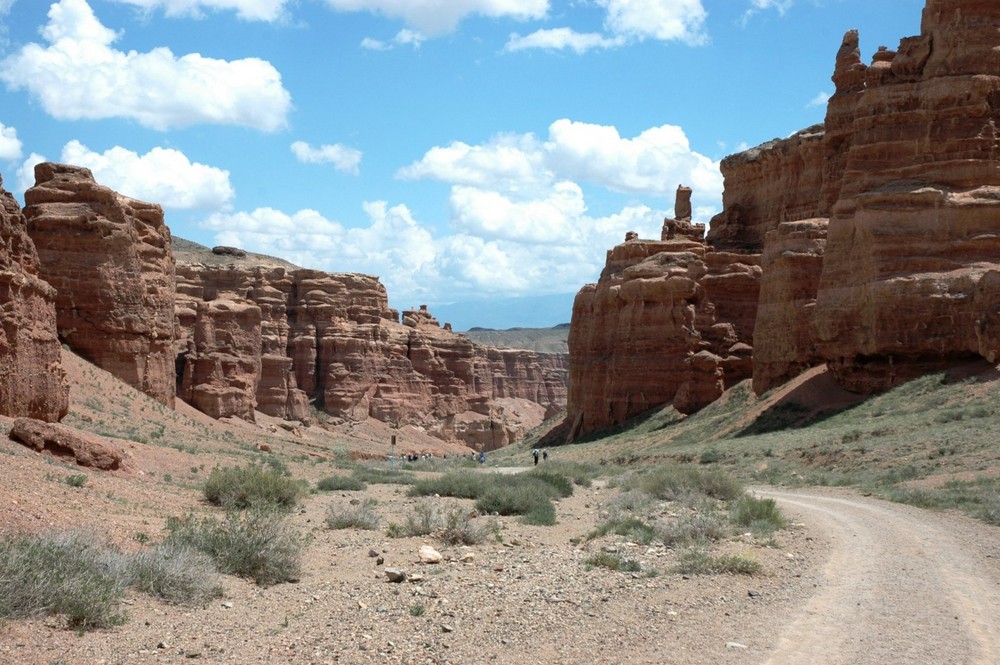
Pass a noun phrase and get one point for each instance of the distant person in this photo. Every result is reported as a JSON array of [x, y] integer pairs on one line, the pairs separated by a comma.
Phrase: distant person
[[534, 454], [482, 457], [545, 454]]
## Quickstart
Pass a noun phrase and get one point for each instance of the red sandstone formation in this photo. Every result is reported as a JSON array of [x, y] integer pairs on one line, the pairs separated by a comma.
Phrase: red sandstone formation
[[109, 259], [333, 338], [32, 381], [914, 181], [668, 321], [85, 449]]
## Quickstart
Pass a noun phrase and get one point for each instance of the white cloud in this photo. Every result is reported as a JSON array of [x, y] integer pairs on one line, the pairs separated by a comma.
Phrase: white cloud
[[79, 76], [10, 145], [437, 17], [163, 175], [343, 158], [404, 37], [626, 21], [666, 20], [557, 39], [5, 6], [248, 10], [26, 172], [819, 100], [757, 6], [653, 163]]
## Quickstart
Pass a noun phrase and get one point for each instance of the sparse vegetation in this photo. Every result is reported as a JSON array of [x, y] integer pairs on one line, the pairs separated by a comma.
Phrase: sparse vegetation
[[340, 484], [699, 562], [177, 573], [238, 488], [258, 543], [354, 515], [612, 562], [76, 479]]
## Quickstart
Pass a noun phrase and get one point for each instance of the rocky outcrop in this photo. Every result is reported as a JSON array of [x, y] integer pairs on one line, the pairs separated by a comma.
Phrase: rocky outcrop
[[109, 259], [331, 340], [669, 321], [784, 338], [914, 176], [32, 381], [85, 449]]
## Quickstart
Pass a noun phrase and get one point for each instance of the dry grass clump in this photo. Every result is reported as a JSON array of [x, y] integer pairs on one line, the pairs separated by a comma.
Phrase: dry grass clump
[[355, 515]]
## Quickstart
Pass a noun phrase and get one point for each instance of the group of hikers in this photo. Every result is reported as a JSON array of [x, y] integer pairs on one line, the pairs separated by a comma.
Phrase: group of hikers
[[536, 453]]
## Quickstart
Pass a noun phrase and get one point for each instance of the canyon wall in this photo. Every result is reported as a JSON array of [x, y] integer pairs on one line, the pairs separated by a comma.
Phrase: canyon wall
[[32, 381], [332, 341], [109, 259], [877, 236]]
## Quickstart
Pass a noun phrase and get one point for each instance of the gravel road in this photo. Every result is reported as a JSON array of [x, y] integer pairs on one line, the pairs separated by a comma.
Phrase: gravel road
[[901, 585]]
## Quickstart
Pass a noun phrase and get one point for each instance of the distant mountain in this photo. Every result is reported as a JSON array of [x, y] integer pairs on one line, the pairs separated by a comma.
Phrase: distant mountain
[[541, 340]]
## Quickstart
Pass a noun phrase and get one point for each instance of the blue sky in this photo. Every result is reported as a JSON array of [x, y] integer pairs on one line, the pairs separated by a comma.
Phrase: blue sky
[[479, 156]]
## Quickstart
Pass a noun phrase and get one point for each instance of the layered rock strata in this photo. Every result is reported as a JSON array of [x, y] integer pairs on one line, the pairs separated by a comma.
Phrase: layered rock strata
[[914, 176], [332, 340], [669, 321], [109, 259], [32, 381]]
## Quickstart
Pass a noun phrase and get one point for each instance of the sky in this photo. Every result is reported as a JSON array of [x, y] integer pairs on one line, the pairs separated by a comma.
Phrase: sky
[[479, 156]]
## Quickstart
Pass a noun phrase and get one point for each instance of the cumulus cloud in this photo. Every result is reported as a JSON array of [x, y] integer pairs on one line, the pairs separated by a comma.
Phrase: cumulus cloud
[[343, 158], [404, 37], [10, 145], [558, 39], [248, 10], [26, 172], [5, 6], [626, 21], [78, 75], [162, 175], [437, 17], [653, 163]]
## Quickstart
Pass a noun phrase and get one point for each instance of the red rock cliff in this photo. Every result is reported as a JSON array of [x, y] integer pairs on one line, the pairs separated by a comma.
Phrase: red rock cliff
[[32, 381], [110, 261]]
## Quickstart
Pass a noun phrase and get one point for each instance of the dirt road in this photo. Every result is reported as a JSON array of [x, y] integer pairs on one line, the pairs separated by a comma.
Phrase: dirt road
[[901, 585]]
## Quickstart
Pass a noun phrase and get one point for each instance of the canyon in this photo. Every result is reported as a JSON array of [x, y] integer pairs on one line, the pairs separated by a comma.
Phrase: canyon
[[234, 334], [868, 243]]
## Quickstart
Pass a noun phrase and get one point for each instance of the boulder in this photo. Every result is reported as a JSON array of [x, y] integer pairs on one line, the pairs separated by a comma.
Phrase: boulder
[[86, 449]]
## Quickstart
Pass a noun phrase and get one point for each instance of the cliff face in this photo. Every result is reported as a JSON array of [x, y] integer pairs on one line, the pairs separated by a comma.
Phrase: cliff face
[[332, 340], [32, 381], [878, 231], [109, 259], [668, 321], [914, 173]]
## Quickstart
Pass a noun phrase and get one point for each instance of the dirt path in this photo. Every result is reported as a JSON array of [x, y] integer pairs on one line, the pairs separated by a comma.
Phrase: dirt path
[[901, 585]]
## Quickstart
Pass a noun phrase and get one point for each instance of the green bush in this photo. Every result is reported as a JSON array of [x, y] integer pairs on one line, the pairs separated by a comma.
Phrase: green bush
[[67, 573], [340, 484], [76, 480], [360, 515], [700, 527], [251, 486], [761, 516], [515, 496], [672, 482], [374, 476], [258, 543], [630, 527], [176, 572], [562, 484], [460, 484], [696, 562], [612, 562]]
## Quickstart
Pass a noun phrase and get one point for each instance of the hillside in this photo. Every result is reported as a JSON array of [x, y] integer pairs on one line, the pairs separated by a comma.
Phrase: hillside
[[539, 340]]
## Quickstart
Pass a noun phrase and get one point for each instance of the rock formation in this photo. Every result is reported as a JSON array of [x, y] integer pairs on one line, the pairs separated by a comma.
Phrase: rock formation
[[331, 340], [110, 262], [32, 381], [668, 321], [85, 449]]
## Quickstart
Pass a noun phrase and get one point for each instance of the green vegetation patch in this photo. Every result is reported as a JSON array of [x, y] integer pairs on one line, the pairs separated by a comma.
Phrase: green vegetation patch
[[239, 488]]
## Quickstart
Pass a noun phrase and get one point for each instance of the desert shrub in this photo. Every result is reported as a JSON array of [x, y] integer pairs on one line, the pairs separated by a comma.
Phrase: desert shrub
[[258, 543], [460, 484], [76, 479], [580, 473], [67, 573], [251, 486], [761, 516], [540, 514], [421, 521], [612, 562], [627, 526], [701, 527], [176, 572], [458, 528], [340, 484], [374, 476], [697, 562], [672, 482], [355, 515], [516, 496], [633, 501], [559, 482]]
